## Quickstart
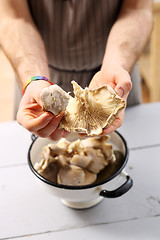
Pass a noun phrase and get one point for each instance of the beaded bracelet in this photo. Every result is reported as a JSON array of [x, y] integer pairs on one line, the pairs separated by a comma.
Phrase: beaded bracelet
[[35, 79]]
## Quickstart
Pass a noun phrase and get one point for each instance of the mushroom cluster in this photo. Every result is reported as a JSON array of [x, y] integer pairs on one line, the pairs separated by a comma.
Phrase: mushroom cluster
[[88, 112], [75, 163]]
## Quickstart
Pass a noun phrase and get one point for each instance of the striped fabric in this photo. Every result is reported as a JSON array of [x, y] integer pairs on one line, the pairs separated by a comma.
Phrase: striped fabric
[[75, 34]]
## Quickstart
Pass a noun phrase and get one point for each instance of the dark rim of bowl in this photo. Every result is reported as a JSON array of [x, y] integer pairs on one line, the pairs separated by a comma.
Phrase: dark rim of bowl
[[79, 187]]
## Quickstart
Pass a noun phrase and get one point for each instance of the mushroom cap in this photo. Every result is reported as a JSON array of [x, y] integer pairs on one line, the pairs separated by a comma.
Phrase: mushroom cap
[[89, 177], [100, 143], [71, 175], [80, 160], [98, 161], [91, 110], [63, 143], [50, 172], [75, 176]]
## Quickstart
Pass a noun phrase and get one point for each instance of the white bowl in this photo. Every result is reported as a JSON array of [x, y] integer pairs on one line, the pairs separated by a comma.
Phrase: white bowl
[[114, 182]]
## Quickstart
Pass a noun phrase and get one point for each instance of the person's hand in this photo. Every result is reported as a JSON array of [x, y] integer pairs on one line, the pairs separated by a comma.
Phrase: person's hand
[[31, 116], [119, 79]]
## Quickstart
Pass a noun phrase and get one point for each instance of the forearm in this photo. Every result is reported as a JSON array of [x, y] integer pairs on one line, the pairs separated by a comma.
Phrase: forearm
[[129, 34], [22, 42]]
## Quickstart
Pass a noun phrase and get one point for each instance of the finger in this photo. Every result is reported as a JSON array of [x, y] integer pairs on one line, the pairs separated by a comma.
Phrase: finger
[[51, 127], [33, 124], [82, 134], [65, 134], [123, 87], [99, 80], [56, 135], [112, 127], [116, 124], [109, 130]]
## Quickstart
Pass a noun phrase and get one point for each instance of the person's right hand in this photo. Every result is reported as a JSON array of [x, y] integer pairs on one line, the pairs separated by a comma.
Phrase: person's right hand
[[31, 116]]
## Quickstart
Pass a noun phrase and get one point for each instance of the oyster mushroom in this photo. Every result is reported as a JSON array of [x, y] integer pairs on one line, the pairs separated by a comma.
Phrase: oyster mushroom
[[51, 154], [91, 110], [54, 99], [62, 161], [71, 175], [100, 143], [75, 176], [53, 150], [80, 160], [38, 166], [95, 142], [75, 163], [89, 177], [50, 172], [98, 161], [63, 143], [74, 147]]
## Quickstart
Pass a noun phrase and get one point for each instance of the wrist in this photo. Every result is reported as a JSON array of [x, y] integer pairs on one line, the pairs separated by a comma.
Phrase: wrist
[[112, 69], [34, 89], [44, 81], [114, 61]]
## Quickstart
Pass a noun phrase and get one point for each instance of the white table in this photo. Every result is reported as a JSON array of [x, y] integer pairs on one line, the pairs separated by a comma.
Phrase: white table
[[27, 212]]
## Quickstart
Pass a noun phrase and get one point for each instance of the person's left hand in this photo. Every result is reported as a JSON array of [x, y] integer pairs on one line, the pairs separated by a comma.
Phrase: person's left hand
[[120, 80]]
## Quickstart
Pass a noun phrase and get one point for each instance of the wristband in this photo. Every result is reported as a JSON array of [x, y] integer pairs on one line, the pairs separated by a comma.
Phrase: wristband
[[35, 79]]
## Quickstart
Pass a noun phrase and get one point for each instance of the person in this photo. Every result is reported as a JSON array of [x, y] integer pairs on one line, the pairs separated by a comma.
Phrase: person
[[93, 42]]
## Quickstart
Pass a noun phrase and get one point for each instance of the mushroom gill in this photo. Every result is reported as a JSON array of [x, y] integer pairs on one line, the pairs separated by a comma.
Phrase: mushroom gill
[[91, 110]]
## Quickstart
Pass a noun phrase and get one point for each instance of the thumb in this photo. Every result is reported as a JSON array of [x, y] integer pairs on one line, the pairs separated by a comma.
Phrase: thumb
[[123, 88], [119, 91]]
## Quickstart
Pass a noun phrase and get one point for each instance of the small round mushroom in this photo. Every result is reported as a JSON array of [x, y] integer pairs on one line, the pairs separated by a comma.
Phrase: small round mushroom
[[54, 99]]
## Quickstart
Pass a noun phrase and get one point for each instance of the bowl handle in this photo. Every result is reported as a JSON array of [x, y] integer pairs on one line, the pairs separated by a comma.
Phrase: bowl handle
[[33, 137], [120, 190]]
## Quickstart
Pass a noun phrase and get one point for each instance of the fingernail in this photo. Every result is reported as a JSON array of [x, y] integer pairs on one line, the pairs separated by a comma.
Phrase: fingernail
[[120, 92]]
